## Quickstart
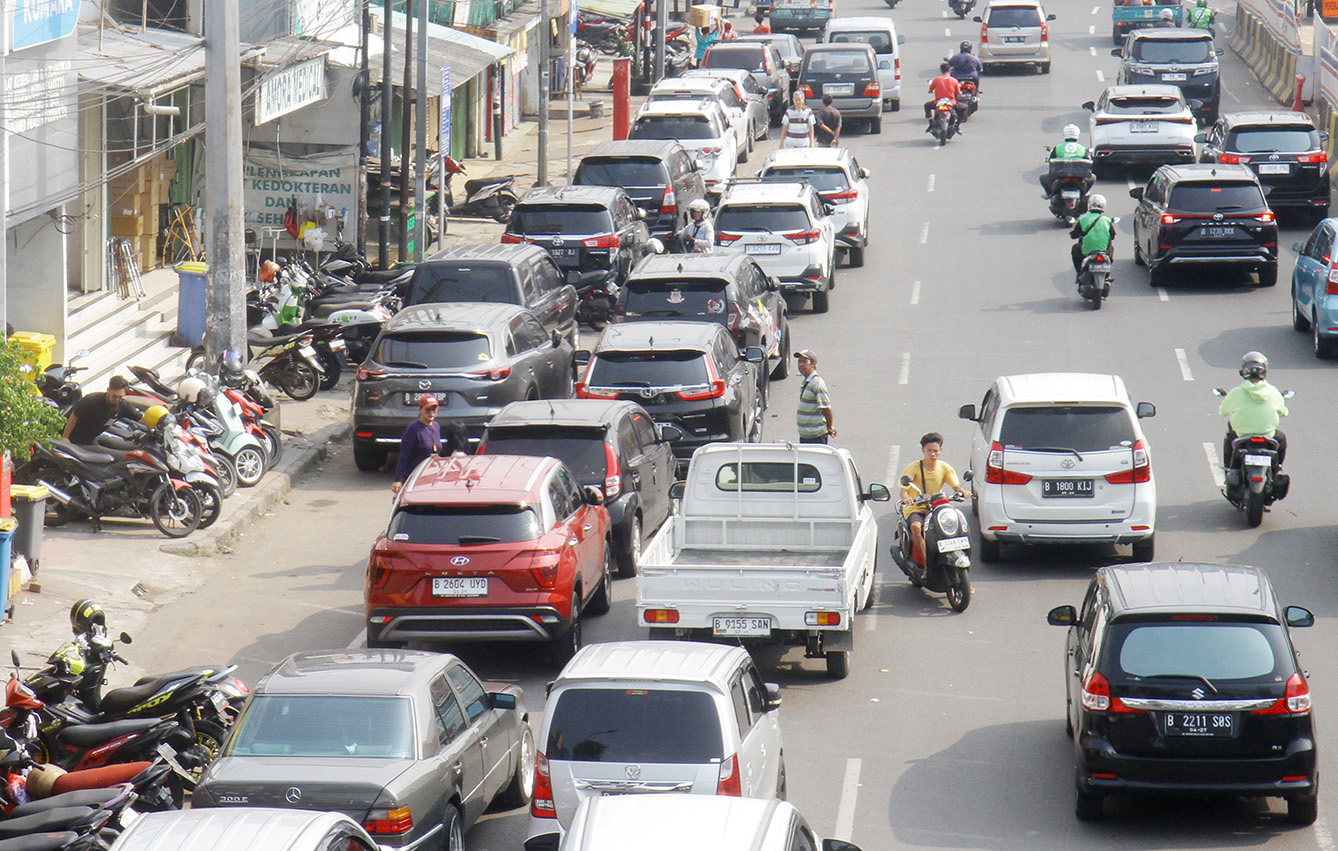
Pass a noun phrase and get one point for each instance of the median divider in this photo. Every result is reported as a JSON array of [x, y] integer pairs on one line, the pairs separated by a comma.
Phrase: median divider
[[1267, 39]]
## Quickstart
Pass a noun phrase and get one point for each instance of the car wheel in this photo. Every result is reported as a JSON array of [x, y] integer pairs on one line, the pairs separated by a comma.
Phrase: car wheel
[[1299, 320], [838, 664], [1138, 254], [602, 599], [629, 557], [1320, 213], [1268, 275], [565, 645], [1303, 811], [875, 126], [453, 832], [855, 257], [990, 551], [1088, 806], [1068, 712], [368, 459], [1145, 550], [519, 791], [780, 781], [1156, 275], [1324, 347], [747, 149], [1044, 68], [783, 368], [894, 105]]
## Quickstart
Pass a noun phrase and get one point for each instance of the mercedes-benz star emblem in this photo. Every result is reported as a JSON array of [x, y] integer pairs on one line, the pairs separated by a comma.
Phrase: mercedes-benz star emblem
[[460, 561], [424, 384], [1198, 693], [1067, 463], [633, 772], [293, 795]]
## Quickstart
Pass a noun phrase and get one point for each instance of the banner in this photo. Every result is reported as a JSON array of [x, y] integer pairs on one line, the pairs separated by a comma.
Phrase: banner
[[1326, 63], [272, 181], [444, 136]]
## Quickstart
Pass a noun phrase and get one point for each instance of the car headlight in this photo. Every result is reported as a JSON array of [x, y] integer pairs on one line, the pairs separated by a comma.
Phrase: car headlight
[[949, 522]]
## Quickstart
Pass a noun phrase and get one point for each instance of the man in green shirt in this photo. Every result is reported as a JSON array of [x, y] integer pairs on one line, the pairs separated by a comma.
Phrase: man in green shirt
[[1254, 407], [1094, 231], [1069, 149], [814, 417], [1201, 17]]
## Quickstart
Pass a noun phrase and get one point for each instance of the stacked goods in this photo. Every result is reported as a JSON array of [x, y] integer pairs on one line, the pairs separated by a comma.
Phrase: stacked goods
[[135, 199]]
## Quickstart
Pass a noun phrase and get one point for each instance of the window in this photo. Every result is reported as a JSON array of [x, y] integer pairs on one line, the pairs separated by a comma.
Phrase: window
[[627, 439], [562, 505], [686, 127], [1083, 428], [550, 279], [630, 172], [757, 691], [769, 477], [433, 350], [1215, 651], [580, 448], [645, 430], [735, 218], [324, 726], [648, 369], [463, 524], [565, 480], [636, 725], [1324, 245], [1267, 140], [739, 698], [652, 299], [838, 62], [988, 406], [802, 838], [529, 334], [472, 695], [824, 178], [1157, 51], [1219, 198], [540, 219], [1149, 105], [437, 281], [450, 720], [1014, 16], [879, 40]]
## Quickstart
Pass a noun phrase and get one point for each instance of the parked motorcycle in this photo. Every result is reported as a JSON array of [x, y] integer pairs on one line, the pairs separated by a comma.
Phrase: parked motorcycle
[[184, 459], [1254, 479], [1071, 180], [943, 120], [485, 197], [57, 382], [947, 540]]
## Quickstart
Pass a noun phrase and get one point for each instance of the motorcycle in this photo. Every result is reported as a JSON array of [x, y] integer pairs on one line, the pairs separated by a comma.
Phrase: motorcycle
[[969, 98], [584, 68], [1071, 180], [961, 8], [486, 197], [57, 383], [184, 459], [943, 120], [947, 541], [1094, 278], [1254, 478]]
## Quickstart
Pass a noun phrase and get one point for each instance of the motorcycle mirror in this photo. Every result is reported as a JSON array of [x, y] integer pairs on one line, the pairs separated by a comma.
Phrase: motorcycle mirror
[[656, 246], [905, 481], [125, 638], [968, 476], [14, 657], [1287, 394], [1218, 391], [83, 353], [1116, 220]]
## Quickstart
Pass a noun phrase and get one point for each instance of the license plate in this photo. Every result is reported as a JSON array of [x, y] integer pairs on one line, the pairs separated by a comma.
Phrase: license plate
[[764, 248], [338, 344], [837, 90], [1274, 168], [741, 626], [413, 398], [952, 545], [1173, 78], [1067, 488], [1015, 39], [220, 702], [564, 253], [307, 351], [1143, 127], [1218, 231], [1258, 461], [1205, 724], [459, 586]]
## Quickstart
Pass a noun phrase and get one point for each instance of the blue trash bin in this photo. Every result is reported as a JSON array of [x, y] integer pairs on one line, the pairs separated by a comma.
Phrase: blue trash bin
[[6, 540], [191, 308]]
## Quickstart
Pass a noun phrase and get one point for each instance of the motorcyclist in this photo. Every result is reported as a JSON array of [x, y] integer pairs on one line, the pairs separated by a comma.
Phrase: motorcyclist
[[1094, 231], [1069, 149], [1201, 17], [965, 65], [1254, 407], [944, 86], [698, 235], [1165, 19], [928, 475]]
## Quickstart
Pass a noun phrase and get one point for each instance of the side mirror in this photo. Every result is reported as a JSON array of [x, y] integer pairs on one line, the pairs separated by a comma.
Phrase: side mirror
[[772, 285], [498, 700], [1218, 391], [864, 173], [838, 845], [1201, 138], [1136, 193], [754, 354], [14, 657], [1323, 137], [638, 213], [557, 340], [677, 489], [1049, 17], [901, 39], [1117, 52], [977, 19], [1297, 616], [1062, 616], [671, 433], [1217, 51], [1090, 106], [878, 492], [773, 696], [1298, 247], [594, 495], [581, 357], [1146, 409], [967, 412], [1196, 104], [124, 638]]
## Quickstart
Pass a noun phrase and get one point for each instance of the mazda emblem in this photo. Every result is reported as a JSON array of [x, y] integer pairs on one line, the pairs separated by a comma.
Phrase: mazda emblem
[[424, 384], [1067, 463], [460, 561], [293, 795], [633, 772], [1197, 693]]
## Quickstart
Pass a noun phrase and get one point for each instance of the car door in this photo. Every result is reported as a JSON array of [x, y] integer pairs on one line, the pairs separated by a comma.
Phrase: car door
[[542, 301], [660, 466], [461, 753], [752, 762], [1212, 145], [582, 553], [485, 726], [770, 307], [982, 435], [636, 462], [563, 294], [1312, 267], [741, 386]]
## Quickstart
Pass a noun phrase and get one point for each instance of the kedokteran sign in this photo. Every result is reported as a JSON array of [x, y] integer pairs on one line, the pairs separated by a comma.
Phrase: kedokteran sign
[[35, 22], [290, 89]]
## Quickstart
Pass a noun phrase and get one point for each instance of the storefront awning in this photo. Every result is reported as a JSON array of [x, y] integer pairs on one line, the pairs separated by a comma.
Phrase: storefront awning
[[149, 63], [525, 17], [620, 10], [290, 50], [467, 55]]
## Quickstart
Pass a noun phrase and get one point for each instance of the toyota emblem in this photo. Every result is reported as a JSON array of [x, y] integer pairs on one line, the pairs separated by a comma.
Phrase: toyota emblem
[[460, 561], [424, 384], [293, 795], [1217, 217], [1067, 463], [633, 772], [557, 240], [1274, 157]]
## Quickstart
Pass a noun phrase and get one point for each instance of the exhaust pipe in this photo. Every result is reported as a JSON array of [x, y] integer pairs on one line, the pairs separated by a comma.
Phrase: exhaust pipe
[[64, 498]]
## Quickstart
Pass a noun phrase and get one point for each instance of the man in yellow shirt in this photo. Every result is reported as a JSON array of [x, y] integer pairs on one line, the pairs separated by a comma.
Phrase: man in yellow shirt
[[928, 476]]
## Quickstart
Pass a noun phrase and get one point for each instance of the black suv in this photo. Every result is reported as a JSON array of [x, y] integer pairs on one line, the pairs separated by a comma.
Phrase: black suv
[[729, 289], [499, 274], [614, 446], [1284, 149], [1182, 679], [1204, 215], [585, 229], [1185, 58], [686, 374], [658, 174]]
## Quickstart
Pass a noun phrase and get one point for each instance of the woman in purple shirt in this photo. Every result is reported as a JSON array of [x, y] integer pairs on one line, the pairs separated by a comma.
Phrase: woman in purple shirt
[[421, 440]]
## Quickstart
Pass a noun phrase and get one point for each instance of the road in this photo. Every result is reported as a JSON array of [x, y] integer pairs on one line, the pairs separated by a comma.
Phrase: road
[[949, 731]]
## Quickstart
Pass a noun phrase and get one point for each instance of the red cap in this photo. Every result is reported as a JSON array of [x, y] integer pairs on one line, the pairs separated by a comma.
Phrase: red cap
[[428, 401]]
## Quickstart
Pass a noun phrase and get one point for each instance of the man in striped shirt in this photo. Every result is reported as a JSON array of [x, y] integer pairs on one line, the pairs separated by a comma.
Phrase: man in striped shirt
[[815, 418]]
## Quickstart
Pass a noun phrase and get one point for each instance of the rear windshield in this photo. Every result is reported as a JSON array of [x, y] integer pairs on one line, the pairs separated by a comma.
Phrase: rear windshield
[[1216, 651], [821, 178], [1084, 428], [673, 127], [762, 217], [838, 62], [433, 350], [1278, 140], [1222, 198], [464, 524], [747, 58], [581, 449], [1185, 52], [879, 40], [324, 726], [648, 369], [490, 282], [635, 726], [623, 171], [1142, 105], [669, 300], [769, 477], [560, 218], [1014, 16]]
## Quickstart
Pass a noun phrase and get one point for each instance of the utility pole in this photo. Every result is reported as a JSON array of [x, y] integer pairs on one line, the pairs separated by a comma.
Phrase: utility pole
[[406, 133], [545, 68], [661, 24], [420, 139], [226, 293], [4, 212], [364, 132], [387, 106]]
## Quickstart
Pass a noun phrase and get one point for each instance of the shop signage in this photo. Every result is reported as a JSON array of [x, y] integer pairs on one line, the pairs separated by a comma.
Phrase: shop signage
[[272, 182], [444, 137], [290, 89], [35, 22]]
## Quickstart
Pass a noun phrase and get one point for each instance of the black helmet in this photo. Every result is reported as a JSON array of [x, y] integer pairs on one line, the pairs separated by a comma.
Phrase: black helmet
[[965, 47], [230, 363], [1254, 366], [86, 614], [206, 396]]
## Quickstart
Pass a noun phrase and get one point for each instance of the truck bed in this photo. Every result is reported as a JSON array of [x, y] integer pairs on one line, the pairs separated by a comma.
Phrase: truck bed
[[694, 556]]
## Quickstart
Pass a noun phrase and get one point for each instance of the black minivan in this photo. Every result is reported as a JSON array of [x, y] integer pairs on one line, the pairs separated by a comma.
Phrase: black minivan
[[1182, 679], [658, 174], [1285, 150]]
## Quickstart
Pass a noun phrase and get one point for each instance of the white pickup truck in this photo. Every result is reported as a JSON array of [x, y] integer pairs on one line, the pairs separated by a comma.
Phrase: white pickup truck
[[771, 544]]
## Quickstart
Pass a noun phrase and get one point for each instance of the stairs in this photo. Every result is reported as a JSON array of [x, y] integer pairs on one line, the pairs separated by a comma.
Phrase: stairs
[[125, 332]]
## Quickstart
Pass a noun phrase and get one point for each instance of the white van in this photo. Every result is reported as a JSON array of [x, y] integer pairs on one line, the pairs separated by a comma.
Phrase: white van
[[881, 35]]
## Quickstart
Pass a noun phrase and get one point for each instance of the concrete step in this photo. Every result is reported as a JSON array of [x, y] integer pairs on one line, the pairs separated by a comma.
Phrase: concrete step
[[154, 351]]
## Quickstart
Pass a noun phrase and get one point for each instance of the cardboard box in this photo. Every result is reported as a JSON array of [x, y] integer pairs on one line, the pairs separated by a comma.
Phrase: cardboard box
[[704, 16]]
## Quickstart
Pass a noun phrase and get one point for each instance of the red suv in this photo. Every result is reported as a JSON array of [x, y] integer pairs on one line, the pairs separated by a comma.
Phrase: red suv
[[490, 548]]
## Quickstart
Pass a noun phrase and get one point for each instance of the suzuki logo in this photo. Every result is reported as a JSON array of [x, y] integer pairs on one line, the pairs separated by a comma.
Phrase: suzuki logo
[[424, 384], [1067, 463], [293, 795], [633, 772], [1197, 693], [460, 561]]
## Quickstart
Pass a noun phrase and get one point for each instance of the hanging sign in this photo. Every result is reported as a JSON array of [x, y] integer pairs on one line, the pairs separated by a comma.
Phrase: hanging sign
[[289, 89]]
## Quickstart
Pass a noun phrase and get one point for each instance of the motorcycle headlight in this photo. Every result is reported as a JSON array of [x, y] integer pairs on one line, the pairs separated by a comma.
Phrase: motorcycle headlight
[[949, 522]]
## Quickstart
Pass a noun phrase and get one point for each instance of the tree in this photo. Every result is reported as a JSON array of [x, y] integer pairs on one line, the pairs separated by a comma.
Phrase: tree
[[26, 418]]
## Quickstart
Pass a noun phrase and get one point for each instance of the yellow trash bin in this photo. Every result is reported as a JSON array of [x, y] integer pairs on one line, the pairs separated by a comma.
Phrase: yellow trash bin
[[40, 346]]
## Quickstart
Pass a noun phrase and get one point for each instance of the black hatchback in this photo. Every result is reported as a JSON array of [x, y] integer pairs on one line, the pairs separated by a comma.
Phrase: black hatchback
[[585, 229], [1284, 149], [1197, 216], [1182, 679]]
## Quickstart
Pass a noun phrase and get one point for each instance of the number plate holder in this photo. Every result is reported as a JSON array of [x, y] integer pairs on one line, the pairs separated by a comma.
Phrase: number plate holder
[[1143, 127], [1015, 39], [1068, 488], [1173, 78], [762, 248], [1275, 168], [741, 626], [459, 586], [1204, 725], [838, 90]]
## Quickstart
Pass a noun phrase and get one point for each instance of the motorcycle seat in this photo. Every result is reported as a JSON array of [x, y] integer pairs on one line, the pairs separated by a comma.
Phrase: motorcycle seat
[[121, 699], [309, 326], [92, 734], [79, 798], [478, 183], [263, 340], [320, 311], [197, 671], [149, 377], [61, 818], [48, 841], [382, 276], [134, 773], [116, 442], [83, 453]]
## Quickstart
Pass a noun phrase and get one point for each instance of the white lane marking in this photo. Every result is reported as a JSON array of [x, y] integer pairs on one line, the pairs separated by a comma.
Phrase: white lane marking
[[893, 471], [845, 812], [1093, 49], [1184, 365], [1096, 9], [905, 375], [1232, 95], [1092, 31], [947, 31], [1322, 835], [945, 13], [1100, 76], [915, 293], [1213, 454], [930, 187], [924, 233], [1162, 294], [358, 640]]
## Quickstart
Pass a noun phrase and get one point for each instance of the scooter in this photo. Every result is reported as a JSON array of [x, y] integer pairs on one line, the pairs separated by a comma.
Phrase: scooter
[[57, 382], [969, 98], [486, 197], [1094, 278], [1071, 180], [1254, 478], [943, 120], [947, 537]]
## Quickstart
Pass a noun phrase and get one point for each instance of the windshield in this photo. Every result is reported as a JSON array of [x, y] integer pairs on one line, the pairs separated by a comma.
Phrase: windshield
[[1224, 197], [635, 725], [879, 40], [676, 299], [747, 58], [648, 369], [624, 171], [463, 281], [458, 525], [324, 726], [1217, 651], [1274, 140], [539, 219], [838, 62], [821, 178], [1159, 51], [581, 449], [777, 218], [673, 127], [433, 350], [1014, 16], [1085, 428]]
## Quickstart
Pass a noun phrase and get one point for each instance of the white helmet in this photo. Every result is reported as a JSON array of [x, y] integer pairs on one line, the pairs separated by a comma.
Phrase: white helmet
[[699, 206], [1071, 132], [1167, 15], [1097, 203], [189, 389]]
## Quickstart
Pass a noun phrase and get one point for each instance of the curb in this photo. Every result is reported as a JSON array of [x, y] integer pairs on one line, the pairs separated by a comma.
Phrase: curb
[[279, 482]]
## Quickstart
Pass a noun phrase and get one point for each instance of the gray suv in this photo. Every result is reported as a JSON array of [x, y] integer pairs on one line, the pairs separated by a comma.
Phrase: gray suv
[[475, 358], [849, 73]]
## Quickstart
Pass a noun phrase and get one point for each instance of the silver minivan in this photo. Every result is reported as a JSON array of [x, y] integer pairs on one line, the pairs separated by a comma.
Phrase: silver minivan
[[632, 717], [880, 34], [1015, 32]]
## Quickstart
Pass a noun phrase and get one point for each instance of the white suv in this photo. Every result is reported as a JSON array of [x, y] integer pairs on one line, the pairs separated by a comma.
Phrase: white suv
[[748, 123], [631, 717], [702, 128], [840, 180], [786, 228], [1060, 458], [699, 823]]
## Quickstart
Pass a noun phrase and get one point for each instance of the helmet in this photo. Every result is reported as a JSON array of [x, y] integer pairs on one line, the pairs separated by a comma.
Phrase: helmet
[[1203, 4], [1167, 15], [1097, 203], [206, 396], [1254, 366], [85, 614], [230, 362], [269, 270], [965, 47], [1071, 132], [154, 415], [189, 389], [699, 206]]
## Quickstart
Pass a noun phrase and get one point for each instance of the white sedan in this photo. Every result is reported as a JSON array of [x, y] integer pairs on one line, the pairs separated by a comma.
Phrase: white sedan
[[1140, 125], [841, 181]]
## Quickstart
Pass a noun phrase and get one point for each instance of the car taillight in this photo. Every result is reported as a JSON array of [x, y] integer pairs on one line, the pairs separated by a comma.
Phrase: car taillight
[[1266, 218], [1045, 31], [984, 33], [1096, 696], [541, 802], [714, 388], [378, 570], [766, 62], [607, 240], [395, 822], [995, 474], [723, 238], [896, 68], [512, 239], [842, 197], [1320, 157], [1331, 284], [872, 90], [1142, 471], [492, 374], [544, 567], [585, 391], [1168, 219], [804, 237], [613, 476], [660, 616], [730, 781], [1296, 699], [669, 204], [1234, 159], [370, 375], [807, 90]]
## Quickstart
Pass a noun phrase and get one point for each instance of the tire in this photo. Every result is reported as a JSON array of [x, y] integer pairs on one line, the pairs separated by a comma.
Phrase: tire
[[209, 736], [251, 465], [855, 257], [368, 459], [1303, 811], [1299, 320], [820, 301], [568, 643], [196, 360], [1138, 256], [1088, 806], [1145, 550], [521, 788], [331, 368], [227, 474], [211, 504], [838, 664], [990, 551], [506, 204], [831, 273], [894, 105], [781, 784], [1156, 276], [175, 513], [299, 381], [875, 126], [629, 557], [782, 369], [1254, 508], [1268, 275], [1044, 68], [272, 439], [1096, 300], [1323, 348], [602, 599], [959, 590], [1117, 37], [747, 150], [1068, 714], [453, 830]]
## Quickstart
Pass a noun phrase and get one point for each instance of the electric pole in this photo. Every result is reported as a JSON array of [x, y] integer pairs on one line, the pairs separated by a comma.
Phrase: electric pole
[[387, 107], [406, 133], [420, 139], [226, 293], [545, 68], [364, 132]]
